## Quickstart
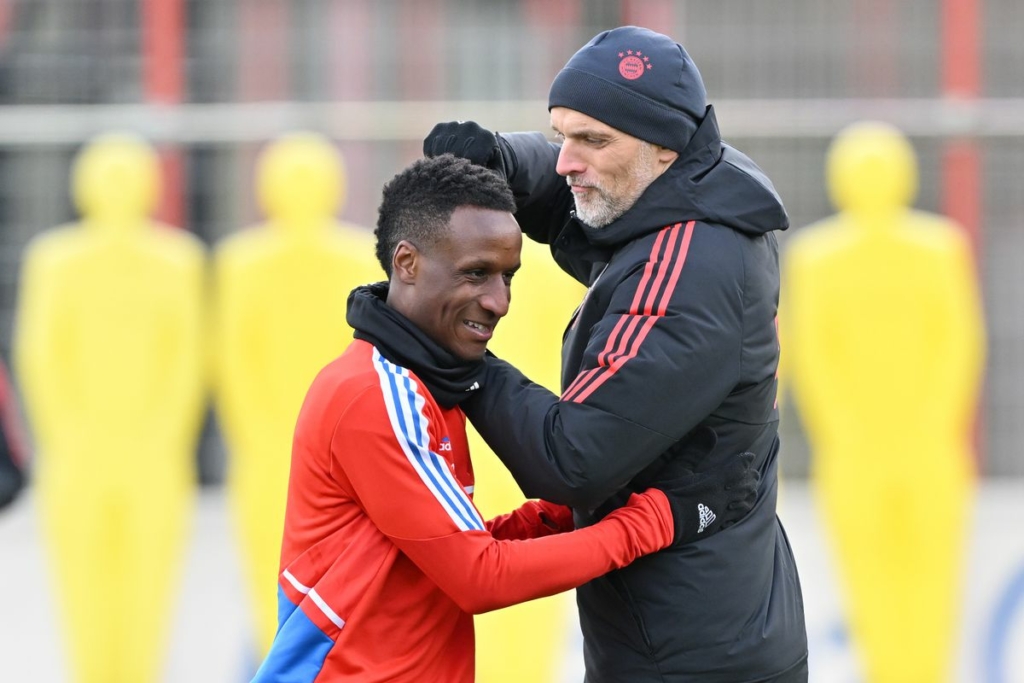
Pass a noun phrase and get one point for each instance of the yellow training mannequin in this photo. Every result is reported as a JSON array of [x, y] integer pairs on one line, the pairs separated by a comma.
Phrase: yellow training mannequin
[[282, 289], [525, 642], [884, 344], [107, 350]]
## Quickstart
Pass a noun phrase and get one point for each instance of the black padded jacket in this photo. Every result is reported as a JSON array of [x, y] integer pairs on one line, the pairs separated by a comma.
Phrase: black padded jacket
[[677, 331]]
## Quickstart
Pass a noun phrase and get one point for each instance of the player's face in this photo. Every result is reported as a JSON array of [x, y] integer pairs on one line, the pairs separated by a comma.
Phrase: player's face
[[463, 282], [607, 169]]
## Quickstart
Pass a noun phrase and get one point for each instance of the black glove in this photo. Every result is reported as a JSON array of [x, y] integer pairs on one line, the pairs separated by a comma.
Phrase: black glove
[[469, 140], [719, 494]]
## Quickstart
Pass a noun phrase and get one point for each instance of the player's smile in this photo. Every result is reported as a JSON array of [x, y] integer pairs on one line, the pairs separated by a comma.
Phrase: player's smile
[[463, 285]]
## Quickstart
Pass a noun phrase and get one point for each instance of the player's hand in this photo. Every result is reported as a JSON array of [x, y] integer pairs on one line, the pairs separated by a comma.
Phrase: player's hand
[[720, 493], [466, 139]]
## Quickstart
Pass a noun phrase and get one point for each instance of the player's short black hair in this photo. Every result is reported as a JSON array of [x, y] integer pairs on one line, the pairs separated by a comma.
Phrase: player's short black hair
[[418, 202]]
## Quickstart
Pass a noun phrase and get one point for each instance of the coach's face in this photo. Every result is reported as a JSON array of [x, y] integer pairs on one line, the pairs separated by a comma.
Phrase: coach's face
[[607, 169], [460, 286]]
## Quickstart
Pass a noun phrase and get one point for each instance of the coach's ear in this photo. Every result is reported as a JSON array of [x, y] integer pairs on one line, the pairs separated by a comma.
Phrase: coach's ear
[[666, 157], [405, 262]]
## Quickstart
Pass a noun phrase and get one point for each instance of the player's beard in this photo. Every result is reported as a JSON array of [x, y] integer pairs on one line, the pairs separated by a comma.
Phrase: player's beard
[[605, 202]]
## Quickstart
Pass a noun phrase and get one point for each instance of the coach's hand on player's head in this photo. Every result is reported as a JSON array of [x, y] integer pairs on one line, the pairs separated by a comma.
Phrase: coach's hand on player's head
[[708, 491], [466, 139]]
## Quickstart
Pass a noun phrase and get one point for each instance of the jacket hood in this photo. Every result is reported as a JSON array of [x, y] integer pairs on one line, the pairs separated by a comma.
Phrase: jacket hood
[[709, 182]]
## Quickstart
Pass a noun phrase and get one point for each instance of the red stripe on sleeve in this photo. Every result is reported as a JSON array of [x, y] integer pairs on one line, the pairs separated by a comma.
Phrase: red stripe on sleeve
[[619, 362], [669, 255], [581, 379], [677, 268], [623, 346], [652, 261], [603, 356]]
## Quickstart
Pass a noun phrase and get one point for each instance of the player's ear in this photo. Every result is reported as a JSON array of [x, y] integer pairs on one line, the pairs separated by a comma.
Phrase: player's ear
[[405, 262]]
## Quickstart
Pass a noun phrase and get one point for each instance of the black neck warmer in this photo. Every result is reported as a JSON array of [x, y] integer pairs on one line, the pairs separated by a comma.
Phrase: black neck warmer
[[448, 378]]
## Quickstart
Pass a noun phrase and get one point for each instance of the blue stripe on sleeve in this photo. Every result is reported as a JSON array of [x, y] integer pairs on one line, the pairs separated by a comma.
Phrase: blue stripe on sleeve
[[438, 464], [432, 468]]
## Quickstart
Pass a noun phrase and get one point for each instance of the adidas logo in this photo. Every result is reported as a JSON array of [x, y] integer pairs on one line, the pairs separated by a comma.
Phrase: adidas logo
[[705, 516], [474, 387]]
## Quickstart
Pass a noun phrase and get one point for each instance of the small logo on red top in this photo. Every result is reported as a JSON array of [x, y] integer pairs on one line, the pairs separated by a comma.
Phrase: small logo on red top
[[633, 64]]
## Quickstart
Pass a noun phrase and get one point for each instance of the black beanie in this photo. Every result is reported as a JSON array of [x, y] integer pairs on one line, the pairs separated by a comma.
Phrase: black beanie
[[638, 81]]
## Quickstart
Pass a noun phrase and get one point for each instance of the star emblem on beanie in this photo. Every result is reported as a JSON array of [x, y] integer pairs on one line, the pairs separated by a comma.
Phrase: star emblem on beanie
[[633, 65]]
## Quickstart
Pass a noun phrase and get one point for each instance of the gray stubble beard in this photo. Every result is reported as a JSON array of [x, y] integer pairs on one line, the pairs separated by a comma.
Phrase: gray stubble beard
[[610, 208]]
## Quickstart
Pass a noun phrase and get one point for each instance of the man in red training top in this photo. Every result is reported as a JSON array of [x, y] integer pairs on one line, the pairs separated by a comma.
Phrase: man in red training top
[[385, 558]]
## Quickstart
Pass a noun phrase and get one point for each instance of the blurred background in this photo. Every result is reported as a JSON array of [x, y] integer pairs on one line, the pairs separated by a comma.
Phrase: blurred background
[[209, 82]]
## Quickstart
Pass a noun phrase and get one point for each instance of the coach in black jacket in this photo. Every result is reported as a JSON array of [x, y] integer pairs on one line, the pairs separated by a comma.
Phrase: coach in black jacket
[[674, 343]]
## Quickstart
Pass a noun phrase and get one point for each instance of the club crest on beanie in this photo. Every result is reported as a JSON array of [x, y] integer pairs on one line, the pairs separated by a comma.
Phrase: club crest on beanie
[[638, 81]]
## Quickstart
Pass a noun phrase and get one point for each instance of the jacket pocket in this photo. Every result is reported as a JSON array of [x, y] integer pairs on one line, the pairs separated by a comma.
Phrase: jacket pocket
[[620, 588]]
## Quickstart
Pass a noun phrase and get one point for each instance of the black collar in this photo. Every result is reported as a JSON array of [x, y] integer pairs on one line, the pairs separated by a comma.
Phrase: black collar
[[448, 378]]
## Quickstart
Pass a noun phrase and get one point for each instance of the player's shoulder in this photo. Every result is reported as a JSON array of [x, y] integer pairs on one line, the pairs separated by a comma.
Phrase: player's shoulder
[[362, 382], [345, 385], [362, 369], [350, 372]]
